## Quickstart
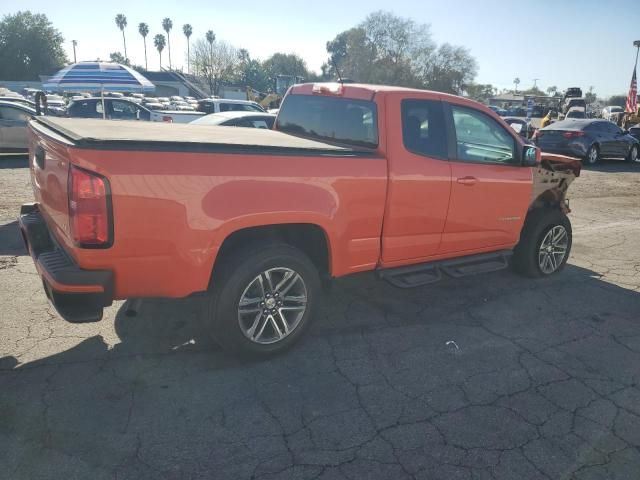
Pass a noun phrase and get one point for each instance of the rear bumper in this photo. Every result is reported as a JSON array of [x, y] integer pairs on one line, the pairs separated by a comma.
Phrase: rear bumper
[[77, 295]]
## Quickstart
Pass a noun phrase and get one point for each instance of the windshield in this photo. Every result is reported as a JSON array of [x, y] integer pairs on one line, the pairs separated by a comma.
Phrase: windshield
[[342, 120]]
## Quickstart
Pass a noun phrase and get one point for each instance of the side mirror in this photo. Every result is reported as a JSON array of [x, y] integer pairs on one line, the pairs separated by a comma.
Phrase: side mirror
[[530, 156]]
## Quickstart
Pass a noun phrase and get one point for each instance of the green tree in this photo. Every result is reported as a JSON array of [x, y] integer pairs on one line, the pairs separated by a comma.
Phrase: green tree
[[284, 64], [167, 25], [480, 92], [590, 96], [618, 100], [121, 23], [188, 31], [117, 57], [533, 91], [449, 69], [29, 46], [388, 49], [143, 30], [159, 43], [251, 73], [551, 91]]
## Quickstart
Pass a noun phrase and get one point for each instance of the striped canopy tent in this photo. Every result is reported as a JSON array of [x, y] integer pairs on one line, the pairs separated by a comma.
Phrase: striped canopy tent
[[98, 77]]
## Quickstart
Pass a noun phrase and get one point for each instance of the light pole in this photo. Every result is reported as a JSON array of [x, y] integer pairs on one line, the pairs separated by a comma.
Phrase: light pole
[[637, 45], [535, 82], [74, 43]]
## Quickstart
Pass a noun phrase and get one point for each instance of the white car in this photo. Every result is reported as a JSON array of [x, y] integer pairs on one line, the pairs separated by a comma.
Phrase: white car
[[217, 105], [607, 111]]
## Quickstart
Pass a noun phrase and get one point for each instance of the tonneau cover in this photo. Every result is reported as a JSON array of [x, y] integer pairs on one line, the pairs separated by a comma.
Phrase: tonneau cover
[[141, 135]]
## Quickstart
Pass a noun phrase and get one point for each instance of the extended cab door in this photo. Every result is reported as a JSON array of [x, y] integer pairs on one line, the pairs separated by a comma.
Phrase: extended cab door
[[419, 178], [490, 190]]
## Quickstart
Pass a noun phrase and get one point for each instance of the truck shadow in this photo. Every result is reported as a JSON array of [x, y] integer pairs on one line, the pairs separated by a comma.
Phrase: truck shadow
[[10, 240], [613, 166], [14, 161], [166, 379]]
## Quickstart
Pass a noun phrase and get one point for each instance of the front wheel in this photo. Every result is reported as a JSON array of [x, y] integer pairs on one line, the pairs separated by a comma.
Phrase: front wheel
[[262, 300], [593, 155], [545, 244], [633, 154]]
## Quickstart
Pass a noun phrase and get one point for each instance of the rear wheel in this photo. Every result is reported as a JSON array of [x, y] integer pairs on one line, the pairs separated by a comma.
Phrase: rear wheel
[[633, 154], [593, 155], [545, 244], [262, 300]]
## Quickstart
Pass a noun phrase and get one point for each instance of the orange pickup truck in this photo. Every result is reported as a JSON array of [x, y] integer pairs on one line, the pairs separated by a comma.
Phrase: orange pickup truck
[[411, 184]]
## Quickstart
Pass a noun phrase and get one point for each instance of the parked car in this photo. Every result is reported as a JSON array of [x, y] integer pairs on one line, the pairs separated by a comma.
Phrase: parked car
[[410, 184], [20, 100], [124, 109], [217, 105], [516, 112], [575, 112], [634, 131], [610, 110], [56, 105], [521, 126], [588, 139], [237, 119], [14, 136], [573, 102]]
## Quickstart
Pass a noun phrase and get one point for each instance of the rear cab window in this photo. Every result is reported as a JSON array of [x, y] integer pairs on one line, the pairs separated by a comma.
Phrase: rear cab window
[[423, 128], [331, 119]]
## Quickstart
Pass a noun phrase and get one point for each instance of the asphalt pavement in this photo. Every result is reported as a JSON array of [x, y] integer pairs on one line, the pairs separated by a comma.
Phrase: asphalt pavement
[[487, 377]]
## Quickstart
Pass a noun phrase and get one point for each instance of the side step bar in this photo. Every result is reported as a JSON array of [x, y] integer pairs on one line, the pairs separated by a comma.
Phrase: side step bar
[[425, 273]]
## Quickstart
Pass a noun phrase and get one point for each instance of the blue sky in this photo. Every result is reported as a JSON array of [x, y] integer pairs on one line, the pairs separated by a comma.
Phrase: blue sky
[[563, 42]]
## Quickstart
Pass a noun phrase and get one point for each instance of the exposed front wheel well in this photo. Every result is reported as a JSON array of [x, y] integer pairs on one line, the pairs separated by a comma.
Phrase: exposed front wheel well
[[306, 237]]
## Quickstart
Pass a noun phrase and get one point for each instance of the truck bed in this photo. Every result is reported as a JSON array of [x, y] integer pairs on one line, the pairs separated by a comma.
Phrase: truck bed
[[136, 135]]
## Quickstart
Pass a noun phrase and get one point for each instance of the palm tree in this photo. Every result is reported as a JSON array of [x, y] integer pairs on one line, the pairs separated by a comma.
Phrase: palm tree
[[187, 30], [167, 25], [211, 37], [121, 22], [516, 82], [143, 29], [159, 42]]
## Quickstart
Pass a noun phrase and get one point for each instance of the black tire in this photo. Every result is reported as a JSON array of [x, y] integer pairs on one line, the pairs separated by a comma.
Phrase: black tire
[[234, 276], [593, 155], [631, 158], [526, 255]]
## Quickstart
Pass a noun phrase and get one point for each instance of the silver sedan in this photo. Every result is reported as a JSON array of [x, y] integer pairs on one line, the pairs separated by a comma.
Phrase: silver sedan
[[14, 136]]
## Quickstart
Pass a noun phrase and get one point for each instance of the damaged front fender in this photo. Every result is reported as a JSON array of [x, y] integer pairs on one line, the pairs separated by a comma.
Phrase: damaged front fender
[[551, 180]]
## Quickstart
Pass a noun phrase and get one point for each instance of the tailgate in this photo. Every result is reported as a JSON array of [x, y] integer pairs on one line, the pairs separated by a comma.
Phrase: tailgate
[[49, 166]]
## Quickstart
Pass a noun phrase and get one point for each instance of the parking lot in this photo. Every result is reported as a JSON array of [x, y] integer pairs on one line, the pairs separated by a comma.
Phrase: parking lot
[[488, 377]]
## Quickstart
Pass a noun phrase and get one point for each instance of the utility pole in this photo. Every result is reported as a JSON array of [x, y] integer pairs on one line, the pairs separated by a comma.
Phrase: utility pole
[[535, 82], [74, 43]]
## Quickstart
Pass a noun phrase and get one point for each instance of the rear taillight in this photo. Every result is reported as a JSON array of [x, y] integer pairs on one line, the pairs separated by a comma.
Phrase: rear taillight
[[573, 134], [167, 118], [89, 209]]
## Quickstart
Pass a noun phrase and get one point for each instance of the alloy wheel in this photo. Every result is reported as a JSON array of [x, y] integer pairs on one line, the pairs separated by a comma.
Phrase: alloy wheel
[[553, 249], [272, 305]]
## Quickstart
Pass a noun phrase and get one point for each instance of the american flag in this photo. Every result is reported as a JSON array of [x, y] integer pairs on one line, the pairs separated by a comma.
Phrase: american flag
[[632, 98]]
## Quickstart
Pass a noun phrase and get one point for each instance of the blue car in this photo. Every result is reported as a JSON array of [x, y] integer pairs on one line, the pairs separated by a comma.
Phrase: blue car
[[588, 139]]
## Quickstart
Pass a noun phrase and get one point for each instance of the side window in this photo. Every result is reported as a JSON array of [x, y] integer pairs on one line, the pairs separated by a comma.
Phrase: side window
[[124, 110], [224, 107], [479, 138], [259, 124], [14, 114], [423, 128]]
